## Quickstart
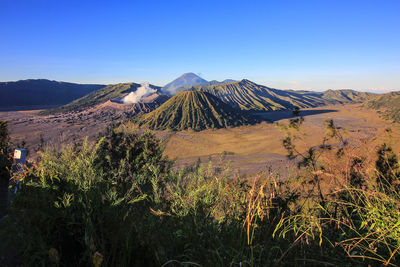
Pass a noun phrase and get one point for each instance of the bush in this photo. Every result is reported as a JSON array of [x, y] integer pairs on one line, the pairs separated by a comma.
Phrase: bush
[[81, 202], [5, 167], [5, 153]]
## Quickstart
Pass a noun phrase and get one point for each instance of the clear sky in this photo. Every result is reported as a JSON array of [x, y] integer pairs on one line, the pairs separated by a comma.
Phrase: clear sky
[[297, 44]]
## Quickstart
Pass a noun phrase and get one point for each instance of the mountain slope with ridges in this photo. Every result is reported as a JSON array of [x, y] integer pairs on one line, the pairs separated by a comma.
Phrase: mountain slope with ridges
[[194, 110], [248, 95]]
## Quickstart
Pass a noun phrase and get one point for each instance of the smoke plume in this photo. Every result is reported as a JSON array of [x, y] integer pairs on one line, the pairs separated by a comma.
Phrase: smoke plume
[[134, 97]]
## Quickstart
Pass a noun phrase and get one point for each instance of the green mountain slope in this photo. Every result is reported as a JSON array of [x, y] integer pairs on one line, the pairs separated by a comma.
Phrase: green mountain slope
[[388, 104], [42, 92], [247, 95], [194, 110], [97, 97]]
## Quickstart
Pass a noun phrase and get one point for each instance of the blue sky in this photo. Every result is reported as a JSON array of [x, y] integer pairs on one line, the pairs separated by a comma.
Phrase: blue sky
[[295, 44]]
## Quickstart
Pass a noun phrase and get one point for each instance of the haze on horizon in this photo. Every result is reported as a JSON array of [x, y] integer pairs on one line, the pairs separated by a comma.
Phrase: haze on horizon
[[308, 44]]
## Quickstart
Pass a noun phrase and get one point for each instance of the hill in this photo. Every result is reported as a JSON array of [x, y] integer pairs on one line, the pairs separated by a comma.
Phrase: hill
[[248, 95], [42, 92], [388, 104], [344, 96], [194, 110], [110, 92]]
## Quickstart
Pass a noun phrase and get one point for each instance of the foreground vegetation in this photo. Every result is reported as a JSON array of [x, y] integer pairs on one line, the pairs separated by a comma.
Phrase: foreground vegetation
[[120, 203]]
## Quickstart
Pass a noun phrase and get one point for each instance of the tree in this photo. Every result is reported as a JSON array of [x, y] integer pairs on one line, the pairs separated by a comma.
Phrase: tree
[[296, 111]]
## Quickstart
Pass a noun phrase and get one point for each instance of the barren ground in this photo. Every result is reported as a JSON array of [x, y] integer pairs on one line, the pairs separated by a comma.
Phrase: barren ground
[[249, 149]]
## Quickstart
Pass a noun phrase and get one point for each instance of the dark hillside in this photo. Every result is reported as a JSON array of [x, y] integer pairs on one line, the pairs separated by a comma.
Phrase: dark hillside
[[42, 92]]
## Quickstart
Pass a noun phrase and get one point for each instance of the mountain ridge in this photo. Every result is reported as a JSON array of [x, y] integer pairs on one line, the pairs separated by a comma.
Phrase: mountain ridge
[[41, 92], [250, 96]]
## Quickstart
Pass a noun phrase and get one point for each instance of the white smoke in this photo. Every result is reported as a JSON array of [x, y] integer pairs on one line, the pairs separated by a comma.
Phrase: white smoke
[[134, 97]]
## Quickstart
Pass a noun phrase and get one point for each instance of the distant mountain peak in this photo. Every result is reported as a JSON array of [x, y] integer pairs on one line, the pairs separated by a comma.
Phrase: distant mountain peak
[[190, 79], [185, 80], [189, 75], [247, 82]]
